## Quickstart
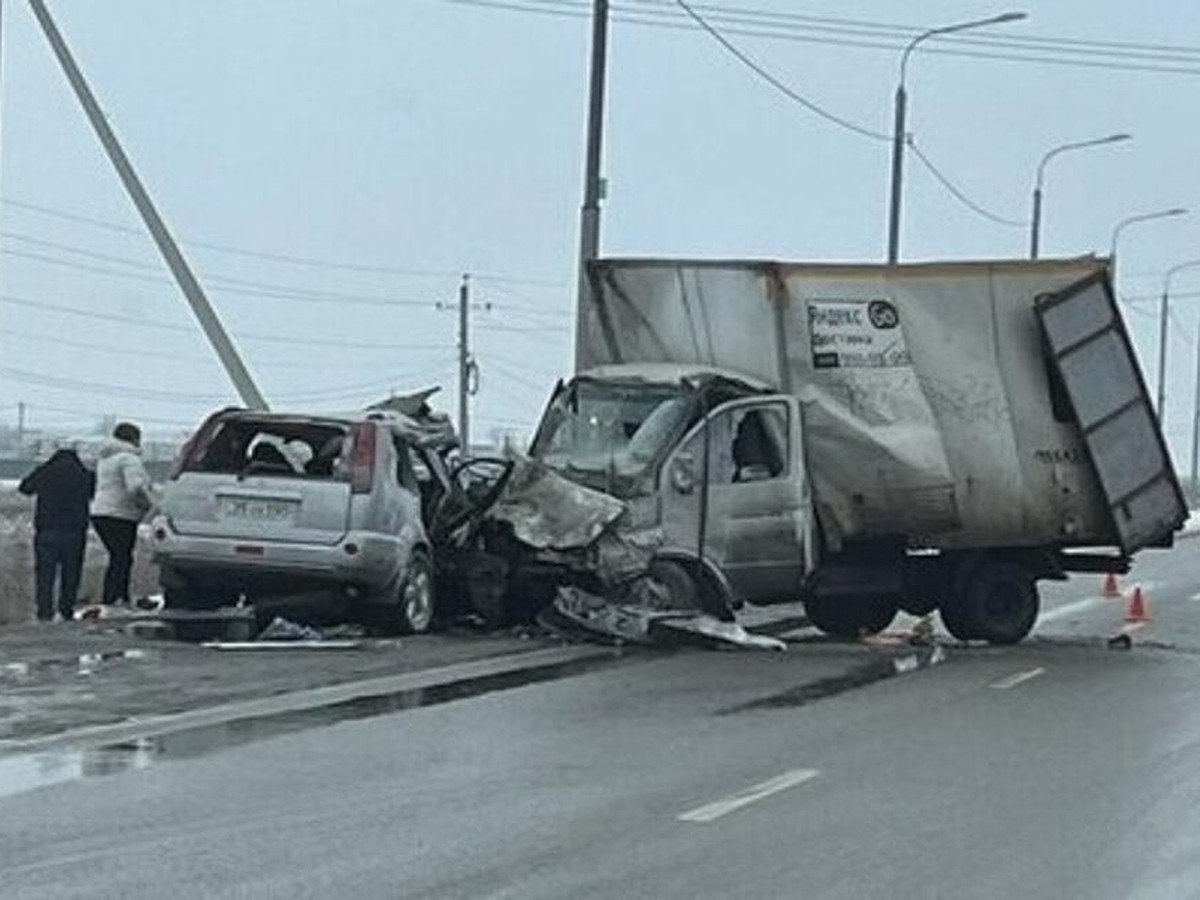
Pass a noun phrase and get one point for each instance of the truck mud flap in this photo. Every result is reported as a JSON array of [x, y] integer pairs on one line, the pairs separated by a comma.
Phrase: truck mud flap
[[1091, 356]]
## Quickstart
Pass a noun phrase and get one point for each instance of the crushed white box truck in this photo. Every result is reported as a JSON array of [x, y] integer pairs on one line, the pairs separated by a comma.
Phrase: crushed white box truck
[[866, 438]]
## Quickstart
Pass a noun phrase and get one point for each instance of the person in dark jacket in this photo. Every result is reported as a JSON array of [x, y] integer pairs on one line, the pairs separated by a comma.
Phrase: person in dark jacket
[[64, 488]]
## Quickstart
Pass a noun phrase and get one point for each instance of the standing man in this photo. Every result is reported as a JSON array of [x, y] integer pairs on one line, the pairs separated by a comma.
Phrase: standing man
[[63, 487], [122, 500]]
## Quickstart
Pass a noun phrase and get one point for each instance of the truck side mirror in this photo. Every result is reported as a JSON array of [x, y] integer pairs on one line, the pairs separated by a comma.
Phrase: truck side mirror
[[683, 473]]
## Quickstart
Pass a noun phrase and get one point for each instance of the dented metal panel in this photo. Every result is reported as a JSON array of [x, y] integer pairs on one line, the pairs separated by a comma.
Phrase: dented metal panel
[[546, 511], [925, 388]]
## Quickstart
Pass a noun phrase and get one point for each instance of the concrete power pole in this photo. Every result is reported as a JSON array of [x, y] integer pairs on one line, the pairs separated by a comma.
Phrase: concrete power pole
[[213, 329], [20, 427], [589, 214], [466, 365]]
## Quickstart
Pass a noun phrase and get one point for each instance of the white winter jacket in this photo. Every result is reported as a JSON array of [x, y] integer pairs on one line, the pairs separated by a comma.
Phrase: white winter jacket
[[122, 485]]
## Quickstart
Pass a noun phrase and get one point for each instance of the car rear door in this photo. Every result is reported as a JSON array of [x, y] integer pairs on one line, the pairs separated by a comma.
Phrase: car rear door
[[1090, 352]]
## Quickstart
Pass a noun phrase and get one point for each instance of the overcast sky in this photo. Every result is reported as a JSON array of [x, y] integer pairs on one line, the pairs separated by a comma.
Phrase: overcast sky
[[332, 167]]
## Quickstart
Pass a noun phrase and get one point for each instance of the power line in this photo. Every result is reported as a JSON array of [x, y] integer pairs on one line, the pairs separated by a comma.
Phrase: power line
[[776, 83], [95, 387], [954, 190], [186, 329], [215, 283], [93, 413], [144, 353], [957, 193], [1108, 55], [57, 381], [505, 372], [219, 283], [310, 262]]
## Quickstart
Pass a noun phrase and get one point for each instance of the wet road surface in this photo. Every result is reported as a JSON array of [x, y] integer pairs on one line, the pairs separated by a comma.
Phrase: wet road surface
[[1059, 768]]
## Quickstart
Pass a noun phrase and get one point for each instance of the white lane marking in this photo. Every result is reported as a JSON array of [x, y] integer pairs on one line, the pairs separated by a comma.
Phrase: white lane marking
[[1070, 609], [1016, 678], [718, 808]]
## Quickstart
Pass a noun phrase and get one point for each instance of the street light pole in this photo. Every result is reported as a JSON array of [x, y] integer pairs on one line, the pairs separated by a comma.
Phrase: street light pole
[[1036, 220], [1163, 320], [901, 106], [1144, 217]]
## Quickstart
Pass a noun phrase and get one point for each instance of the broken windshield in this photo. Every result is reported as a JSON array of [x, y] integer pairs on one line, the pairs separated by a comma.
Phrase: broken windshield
[[611, 434]]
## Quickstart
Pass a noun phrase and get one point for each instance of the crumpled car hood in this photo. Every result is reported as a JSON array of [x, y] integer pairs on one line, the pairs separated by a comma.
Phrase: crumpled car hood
[[550, 512]]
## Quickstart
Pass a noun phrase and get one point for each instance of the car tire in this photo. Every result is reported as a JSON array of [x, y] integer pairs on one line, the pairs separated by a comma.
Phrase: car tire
[[413, 609], [1001, 602]]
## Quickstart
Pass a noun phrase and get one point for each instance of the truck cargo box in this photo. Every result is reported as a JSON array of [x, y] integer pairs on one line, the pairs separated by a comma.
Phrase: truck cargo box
[[973, 404]]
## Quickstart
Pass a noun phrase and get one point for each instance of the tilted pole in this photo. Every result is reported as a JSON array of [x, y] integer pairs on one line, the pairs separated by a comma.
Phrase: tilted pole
[[213, 329]]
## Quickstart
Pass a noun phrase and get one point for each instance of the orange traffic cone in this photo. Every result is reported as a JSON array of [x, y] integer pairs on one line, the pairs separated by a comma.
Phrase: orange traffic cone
[[1139, 607], [1111, 588]]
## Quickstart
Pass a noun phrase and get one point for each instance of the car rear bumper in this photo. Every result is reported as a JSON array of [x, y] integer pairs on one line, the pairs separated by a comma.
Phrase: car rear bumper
[[362, 559]]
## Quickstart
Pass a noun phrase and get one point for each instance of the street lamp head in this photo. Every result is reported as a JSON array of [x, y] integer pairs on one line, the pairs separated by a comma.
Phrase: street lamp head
[[1113, 138], [951, 29], [1144, 217]]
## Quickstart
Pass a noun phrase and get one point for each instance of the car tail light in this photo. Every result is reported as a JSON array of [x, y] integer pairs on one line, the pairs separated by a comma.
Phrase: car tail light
[[362, 458]]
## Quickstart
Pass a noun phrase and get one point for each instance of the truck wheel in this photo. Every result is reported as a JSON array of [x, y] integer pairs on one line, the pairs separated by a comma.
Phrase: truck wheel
[[1000, 603], [677, 582], [850, 617], [954, 618]]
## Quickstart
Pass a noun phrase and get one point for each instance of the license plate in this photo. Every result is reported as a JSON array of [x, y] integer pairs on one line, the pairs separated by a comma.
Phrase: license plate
[[252, 509]]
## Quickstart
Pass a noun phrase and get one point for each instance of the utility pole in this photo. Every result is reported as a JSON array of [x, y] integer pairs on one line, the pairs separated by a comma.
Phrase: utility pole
[[1196, 418], [20, 427], [593, 187], [213, 329], [466, 365]]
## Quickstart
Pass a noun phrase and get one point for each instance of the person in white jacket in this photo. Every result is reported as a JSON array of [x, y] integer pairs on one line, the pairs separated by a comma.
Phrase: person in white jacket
[[123, 497]]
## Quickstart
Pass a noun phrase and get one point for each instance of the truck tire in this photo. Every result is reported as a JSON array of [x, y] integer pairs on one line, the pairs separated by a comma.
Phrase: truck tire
[[850, 617], [954, 618], [678, 583], [1000, 603]]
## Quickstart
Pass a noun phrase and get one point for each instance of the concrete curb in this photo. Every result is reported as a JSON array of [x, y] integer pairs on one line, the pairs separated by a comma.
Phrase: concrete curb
[[311, 698]]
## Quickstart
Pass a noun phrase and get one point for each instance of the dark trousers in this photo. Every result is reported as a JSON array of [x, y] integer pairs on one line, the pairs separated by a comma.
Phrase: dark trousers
[[118, 537], [57, 554]]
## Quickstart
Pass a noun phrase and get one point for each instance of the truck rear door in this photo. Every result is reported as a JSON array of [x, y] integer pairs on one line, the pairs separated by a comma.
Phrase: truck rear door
[[1090, 352]]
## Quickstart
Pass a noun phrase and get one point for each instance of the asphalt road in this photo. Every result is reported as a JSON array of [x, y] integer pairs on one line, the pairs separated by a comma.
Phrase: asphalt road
[[1059, 768]]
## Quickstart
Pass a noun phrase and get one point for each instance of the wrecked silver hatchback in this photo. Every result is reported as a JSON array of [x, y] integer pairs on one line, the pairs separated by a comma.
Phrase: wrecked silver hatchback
[[328, 517]]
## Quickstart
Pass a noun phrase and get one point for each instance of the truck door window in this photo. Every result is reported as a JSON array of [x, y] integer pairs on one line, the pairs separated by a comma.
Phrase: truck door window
[[749, 444]]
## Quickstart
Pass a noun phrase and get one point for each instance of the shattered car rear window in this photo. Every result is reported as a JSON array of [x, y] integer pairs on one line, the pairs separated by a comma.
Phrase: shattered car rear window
[[286, 447]]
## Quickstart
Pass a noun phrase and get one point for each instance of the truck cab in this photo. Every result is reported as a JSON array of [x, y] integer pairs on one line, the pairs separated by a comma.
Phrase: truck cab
[[708, 462]]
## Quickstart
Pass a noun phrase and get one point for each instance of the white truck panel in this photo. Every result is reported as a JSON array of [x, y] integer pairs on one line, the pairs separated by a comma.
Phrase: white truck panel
[[926, 388]]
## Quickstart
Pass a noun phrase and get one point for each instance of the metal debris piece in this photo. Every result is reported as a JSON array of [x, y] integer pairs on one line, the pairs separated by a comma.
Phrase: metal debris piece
[[546, 511], [281, 629]]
